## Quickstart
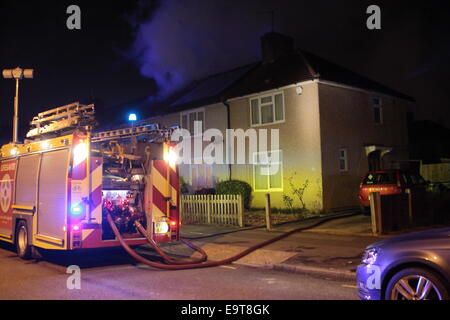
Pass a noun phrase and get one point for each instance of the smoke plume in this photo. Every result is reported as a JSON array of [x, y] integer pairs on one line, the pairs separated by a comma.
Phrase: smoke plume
[[183, 41]]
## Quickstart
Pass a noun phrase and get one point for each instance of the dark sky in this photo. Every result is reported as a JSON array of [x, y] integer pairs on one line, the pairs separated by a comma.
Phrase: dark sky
[[127, 50]]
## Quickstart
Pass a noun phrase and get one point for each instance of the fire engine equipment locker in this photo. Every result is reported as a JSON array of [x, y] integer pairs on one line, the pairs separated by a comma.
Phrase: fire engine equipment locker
[[53, 193]]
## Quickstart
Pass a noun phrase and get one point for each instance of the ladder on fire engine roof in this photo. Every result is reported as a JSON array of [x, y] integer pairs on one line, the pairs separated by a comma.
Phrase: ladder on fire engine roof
[[152, 131], [62, 119]]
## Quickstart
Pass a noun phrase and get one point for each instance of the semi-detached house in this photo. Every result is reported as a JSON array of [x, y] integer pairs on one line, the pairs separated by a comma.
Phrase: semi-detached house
[[334, 125]]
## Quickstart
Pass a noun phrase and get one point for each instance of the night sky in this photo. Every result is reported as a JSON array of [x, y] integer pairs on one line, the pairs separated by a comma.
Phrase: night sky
[[128, 50]]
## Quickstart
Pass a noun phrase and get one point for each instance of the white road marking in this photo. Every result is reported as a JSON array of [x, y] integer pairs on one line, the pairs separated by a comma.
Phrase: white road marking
[[228, 267]]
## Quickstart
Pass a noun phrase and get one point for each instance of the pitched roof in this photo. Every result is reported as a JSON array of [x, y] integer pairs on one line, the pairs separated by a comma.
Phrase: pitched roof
[[258, 77], [206, 91], [332, 72]]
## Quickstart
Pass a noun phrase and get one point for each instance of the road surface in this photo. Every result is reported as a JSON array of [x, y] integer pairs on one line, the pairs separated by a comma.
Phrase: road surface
[[112, 274]]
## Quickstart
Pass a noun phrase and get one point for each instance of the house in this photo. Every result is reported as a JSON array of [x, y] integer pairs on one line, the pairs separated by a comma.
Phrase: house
[[334, 125]]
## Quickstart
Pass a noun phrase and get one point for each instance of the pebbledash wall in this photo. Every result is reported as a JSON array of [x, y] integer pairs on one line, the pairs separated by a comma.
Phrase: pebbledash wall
[[299, 143], [347, 121], [317, 123]]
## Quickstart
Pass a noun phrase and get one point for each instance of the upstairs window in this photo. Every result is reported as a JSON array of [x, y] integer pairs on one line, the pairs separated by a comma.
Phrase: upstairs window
[[267, 109], [188, 119], [343, 160], [377, 110]]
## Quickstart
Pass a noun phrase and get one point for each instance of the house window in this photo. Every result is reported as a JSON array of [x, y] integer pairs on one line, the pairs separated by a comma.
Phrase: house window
[[189, 117], [201, 176], [377, 111], [268, 171], [343, 160], [267, 109]]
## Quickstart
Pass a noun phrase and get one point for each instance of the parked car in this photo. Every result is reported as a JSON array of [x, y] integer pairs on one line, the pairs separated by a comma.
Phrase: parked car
[[413, 266], [388, 182]]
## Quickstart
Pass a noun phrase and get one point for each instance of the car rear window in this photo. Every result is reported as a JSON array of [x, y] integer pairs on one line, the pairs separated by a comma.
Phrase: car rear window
[[412, 178], [381, 178], [419, 179]]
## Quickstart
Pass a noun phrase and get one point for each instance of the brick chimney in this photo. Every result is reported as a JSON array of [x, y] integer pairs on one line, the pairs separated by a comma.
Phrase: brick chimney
[[275, 45]]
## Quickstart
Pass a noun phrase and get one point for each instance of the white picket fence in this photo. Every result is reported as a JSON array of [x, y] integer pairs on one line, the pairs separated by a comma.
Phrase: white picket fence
[[222, 209]]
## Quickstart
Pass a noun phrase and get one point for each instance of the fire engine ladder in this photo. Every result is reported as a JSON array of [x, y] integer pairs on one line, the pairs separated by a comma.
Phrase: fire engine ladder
[[153, 131], [62, 119]]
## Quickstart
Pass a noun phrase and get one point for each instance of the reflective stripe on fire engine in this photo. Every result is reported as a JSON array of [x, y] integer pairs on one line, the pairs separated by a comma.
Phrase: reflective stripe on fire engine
[[23, 213], [96, 169], [52, 240], [165, 186], [23, 208], [6, 237]]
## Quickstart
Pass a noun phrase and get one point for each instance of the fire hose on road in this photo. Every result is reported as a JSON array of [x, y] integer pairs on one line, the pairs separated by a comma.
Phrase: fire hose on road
[[201, 262], [165, 256]]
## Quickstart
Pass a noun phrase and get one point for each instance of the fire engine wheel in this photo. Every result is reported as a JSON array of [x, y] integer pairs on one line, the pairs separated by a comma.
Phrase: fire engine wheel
[[22, 245]]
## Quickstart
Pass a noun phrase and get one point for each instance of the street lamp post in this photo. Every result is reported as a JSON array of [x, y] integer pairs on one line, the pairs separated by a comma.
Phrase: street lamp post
[[17, 74]]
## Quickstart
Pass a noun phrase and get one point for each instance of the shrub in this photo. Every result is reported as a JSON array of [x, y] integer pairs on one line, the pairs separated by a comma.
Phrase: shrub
[[184, 187], [206, 191], [236, 187]]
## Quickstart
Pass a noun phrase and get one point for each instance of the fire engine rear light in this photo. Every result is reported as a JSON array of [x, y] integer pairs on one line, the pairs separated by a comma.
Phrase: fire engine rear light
[[76, 228], [161, 227], [171, 156], [173, 223]]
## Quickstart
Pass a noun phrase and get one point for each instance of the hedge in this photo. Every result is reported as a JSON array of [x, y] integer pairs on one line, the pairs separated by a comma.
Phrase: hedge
[[236, 187]]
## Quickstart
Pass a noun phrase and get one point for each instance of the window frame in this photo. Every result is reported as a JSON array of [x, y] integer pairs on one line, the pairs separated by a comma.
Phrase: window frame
[[259, 98], [255, 164], [344, 158], [203, 169], [378, 106], [187, 113]]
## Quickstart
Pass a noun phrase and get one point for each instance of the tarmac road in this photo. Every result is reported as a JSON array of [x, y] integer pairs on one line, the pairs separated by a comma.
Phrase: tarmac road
[[112, 274]]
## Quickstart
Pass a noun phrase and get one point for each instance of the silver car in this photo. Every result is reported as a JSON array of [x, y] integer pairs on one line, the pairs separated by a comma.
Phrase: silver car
[[413, 266]]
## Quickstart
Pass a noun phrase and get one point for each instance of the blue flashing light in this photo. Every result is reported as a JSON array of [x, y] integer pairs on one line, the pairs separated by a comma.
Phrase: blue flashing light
[[77, 210], [132, 117]]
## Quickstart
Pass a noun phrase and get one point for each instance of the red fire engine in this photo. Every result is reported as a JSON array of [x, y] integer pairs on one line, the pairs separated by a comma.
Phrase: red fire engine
[[57, 188]]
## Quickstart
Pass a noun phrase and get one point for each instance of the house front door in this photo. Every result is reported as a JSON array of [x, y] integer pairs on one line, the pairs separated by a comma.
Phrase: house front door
[[374, 159]]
